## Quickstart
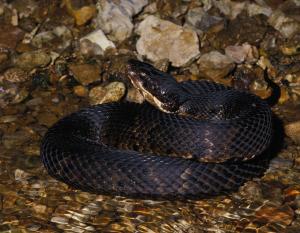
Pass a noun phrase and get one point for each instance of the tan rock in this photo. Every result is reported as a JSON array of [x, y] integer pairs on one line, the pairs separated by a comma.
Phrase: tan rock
[[161, 39], [85, 73]]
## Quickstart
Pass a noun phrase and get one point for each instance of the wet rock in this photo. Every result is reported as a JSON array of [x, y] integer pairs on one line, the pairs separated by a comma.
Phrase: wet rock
[[95, 43], [10, 36], [292, 46], [30, 60], [47, 118], [267, 213], [201, 21], [286, 25], [115, 18], [16, 139], [215, 65], [85, 73], [252, 190], [244, 53], [80, 91], [178, 44], [292, 130], [60, 36], [81, 15], [110, 93], [14, 75]]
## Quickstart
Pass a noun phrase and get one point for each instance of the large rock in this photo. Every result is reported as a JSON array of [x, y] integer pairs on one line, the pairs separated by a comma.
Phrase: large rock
[[161, 39], [114, 17]]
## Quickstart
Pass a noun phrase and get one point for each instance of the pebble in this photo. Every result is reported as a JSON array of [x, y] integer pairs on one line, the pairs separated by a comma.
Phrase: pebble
[[110, 93], [215, 65], [201, 21], [230, 8], [286, 25], [81, 15], [242, 53], [47, 118], [178, 44], [14, 75], [80, 91], [30, 60], [99, 42], [114, 18], [268, 213], [85, 74], [10, 36], [292, 130]]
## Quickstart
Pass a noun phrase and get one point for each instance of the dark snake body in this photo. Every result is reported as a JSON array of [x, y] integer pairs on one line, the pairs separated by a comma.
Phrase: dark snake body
[[95, 149]]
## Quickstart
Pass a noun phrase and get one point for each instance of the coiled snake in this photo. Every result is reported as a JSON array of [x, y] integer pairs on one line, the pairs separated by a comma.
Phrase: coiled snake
[[202, 138]]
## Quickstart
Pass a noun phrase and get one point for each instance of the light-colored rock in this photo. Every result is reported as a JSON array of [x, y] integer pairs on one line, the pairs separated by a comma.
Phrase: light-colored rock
[[292, 130], [161, 39], [286, 25], [256, 9], [242, 53], [110, 93], [200, 20], [215, 65], [114, 17], [230, 8], [99, 42]]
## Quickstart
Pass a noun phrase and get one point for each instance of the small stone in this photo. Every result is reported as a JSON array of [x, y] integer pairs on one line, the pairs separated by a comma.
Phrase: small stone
[[80, 91], [85, 73], [10, 36], [114, 18], [15, 75], [60, 220], [284, 95], [230, 8], [292, 130], [215, 65], [178, 44], [30, 60], [47, 118], [81, 15], [286, 25], [242, 53], [133, 95], [201, 21], [110, 93], [21, 95], [97, 37], [283, 214], [21, 175]]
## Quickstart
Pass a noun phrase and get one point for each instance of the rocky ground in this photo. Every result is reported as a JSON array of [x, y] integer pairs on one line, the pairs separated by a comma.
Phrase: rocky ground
[[58, 56]]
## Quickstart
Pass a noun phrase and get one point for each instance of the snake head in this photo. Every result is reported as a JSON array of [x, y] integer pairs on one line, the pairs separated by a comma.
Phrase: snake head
[[158, 88]]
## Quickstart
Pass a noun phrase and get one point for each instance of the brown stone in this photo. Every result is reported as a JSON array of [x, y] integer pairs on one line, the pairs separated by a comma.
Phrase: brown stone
[[283, 214], [85, 73]]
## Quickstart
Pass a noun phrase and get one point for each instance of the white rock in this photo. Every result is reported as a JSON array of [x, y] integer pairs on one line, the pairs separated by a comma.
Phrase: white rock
[[114, 17], [161, 39], [97, 37], [287, 26]]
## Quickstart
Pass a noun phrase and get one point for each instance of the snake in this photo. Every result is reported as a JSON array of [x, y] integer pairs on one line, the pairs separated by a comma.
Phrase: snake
[[189, 139]]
